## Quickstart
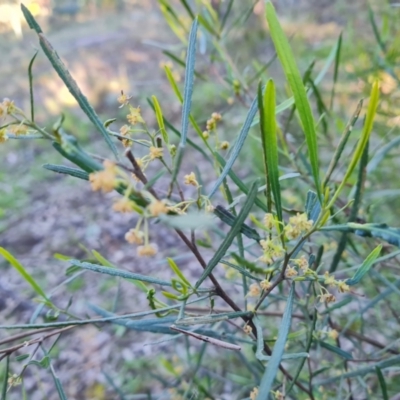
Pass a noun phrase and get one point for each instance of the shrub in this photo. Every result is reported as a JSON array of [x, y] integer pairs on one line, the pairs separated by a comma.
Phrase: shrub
[[267, 265]]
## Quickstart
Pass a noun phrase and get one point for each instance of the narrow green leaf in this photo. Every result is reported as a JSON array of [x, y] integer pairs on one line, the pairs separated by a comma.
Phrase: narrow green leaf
[[189, 80], [118, 272], [229, 219], [177, 271], [57, 382], [382, 153], [336, 69], [231, 235], [160, 119], [277, 352], [375, 29], [102, 260], [237, 147], [5, 379], [24, 273], [342, 245], [286, 58], [66, 77], [336, 350], [78, 157], [392, 361], [241, 270], [365, 266], [342, 143], [270, 145], [61, 169], [187, 8], [182, 63], [99, 320], [382, 383], [30, 76], [187, 97], [336, 306], [263, 122], [208, 26], [369, 121], [173, 129]]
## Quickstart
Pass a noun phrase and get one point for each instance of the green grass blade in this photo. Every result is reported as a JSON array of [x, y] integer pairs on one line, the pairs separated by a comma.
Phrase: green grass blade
[[270, 145], [286, 58], [30, 77], [61, 169], [277, 352], [5, 379], [118, 272], [369, 121], [237, 148], [365, 266], [231, 235], [66, 77], [24, 273], [382, 383], [160, 119]]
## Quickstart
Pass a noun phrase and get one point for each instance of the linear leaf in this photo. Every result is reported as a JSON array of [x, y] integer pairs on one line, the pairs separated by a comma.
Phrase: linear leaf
[[98, 320], [336, 350], [5, 379], [187, 97], [382, 383], [277, 352], [173, 129], [24, 273], [78, 157], [237, 147], [392, 361], [118, 272], [292, 74], [62, 169], [160, 119], [270, 144], [231, 235], [66, 77], [369, 121], [229, 219], [365, 266], [30, 77], [342, 143]]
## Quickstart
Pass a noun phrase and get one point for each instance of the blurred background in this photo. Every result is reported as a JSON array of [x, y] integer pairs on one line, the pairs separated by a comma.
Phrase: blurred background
[[114, 45]]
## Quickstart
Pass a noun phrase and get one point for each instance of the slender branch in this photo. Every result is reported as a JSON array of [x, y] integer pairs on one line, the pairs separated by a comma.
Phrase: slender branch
[[16, 347]]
